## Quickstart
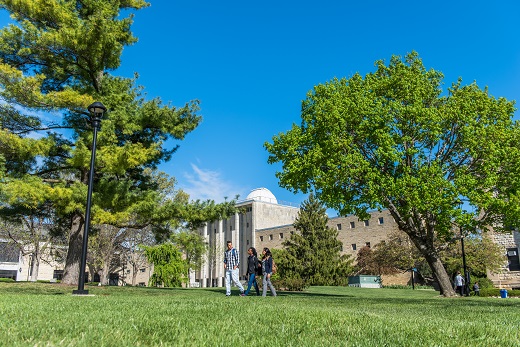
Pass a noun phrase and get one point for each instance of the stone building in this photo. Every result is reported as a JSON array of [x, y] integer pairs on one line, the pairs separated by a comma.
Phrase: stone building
[[264, 222], [353, 233], [17, 264], [259, 210], [509, 275]]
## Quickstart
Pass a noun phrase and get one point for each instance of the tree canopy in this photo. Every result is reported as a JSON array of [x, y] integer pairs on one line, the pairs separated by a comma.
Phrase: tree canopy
[[55, 59], [395, 139]]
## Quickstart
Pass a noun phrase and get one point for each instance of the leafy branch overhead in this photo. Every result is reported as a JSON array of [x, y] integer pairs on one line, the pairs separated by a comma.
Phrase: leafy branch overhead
[[395, 139], [55, 59]]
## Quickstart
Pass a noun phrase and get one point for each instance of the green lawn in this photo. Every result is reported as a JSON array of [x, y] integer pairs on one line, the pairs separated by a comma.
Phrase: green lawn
[[49, 315]]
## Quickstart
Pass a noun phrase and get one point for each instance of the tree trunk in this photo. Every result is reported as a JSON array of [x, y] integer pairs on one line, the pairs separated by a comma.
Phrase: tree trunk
[[35, 267], [434, 261], [441, 275], [105, 274], [134, 278], [72, 263], [425, 245]]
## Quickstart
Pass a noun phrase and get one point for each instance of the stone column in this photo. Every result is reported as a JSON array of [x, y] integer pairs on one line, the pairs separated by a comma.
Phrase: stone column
[[204, 268], [219, 256]]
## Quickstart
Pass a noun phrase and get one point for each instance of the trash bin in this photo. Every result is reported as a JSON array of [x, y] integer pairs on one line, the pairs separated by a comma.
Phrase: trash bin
[[503, 293]]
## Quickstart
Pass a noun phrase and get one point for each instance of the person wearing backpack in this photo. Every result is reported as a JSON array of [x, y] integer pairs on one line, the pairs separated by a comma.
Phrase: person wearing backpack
[[252, 270], [267, 271], [231, 262]]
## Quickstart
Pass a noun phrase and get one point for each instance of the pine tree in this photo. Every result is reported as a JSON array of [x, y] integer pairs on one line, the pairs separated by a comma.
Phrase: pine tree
[[313, 251], [56, 59]]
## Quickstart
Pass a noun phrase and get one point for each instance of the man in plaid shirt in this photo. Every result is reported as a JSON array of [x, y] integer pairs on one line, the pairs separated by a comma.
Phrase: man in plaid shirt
[[231, 263]]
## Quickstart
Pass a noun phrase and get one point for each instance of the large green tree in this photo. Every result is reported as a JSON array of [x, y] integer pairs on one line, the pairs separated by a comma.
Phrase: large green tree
[[312, 253], [395, 139], [56, 59]]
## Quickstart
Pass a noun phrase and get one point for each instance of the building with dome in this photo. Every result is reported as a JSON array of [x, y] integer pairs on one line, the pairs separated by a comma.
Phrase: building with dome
[[259, 210], [263, 221]]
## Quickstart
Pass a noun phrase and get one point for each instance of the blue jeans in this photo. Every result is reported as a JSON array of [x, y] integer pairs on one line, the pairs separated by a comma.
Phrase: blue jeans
[[232, 275], [252, 281]]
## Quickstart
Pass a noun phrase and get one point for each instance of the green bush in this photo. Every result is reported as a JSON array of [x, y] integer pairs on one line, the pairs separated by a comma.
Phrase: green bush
[[401, 286], [290, 284], [496, 292], [483, 282], [397, 286]]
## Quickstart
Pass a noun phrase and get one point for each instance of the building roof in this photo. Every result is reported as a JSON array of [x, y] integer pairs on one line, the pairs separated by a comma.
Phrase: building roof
[[262, 194]]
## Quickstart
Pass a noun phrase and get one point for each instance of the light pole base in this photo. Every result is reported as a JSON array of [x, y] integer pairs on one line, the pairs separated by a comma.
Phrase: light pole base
[[80, 292]]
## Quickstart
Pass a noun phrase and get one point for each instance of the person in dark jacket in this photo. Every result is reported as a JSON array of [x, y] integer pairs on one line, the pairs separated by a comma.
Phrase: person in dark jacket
[[252, 265], [267, 271]]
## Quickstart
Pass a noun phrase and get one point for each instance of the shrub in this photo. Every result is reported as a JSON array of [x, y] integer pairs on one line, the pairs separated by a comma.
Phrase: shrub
[[496, 292], [401, 286], [290, 284], [483, 282]]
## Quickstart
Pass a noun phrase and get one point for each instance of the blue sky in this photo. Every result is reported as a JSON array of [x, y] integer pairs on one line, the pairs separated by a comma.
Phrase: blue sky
[[251, 64]]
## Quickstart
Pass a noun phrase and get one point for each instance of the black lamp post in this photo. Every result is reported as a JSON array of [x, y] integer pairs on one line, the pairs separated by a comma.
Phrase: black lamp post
[[466, 272], [96, 110]]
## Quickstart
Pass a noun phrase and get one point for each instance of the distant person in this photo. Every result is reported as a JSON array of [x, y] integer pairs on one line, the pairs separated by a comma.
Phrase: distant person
[[231, 263], [476, 289], [267, 271], [459, 284], [252, 269]]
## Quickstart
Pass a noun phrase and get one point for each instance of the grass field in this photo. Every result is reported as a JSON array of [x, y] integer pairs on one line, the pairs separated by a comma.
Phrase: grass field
[[38, 314]]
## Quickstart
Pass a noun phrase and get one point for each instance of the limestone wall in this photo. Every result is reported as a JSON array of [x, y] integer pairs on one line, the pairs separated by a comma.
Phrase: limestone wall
[[506, 278]]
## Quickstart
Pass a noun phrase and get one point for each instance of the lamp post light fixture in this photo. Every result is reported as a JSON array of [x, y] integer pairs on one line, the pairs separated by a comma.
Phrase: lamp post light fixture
[[96, 110]]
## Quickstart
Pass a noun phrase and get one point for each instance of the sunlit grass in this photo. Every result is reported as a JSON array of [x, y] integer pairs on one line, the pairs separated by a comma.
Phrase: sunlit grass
[[49, 315]]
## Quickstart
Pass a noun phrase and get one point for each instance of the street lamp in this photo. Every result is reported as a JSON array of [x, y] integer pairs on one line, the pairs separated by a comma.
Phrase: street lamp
[[96, 110], [466, 272]]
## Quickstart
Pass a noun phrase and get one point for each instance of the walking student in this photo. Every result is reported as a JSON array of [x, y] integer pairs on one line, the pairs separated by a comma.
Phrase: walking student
[[231, 263], [252, 266], [459, 284], [267, 271]]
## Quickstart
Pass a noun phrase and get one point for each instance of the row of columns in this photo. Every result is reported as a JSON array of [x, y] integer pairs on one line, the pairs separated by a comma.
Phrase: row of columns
[[217, 241]]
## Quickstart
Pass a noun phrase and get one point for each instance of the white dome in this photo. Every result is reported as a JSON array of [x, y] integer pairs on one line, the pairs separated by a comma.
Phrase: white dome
[[262, 194]]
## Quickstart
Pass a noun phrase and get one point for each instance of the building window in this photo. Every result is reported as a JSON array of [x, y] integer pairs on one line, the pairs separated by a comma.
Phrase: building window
[[367, 244], [247, 242], [247, 225], [58, 274], [141, 284], [513, 260], [352, 225], [142, 269], [230, 228], [281, 235], [341, 248], [366, 222], [338, 226], [271, 237], [261, 238], [354, 247], [215, 231], [381, 220], [9, 253]]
